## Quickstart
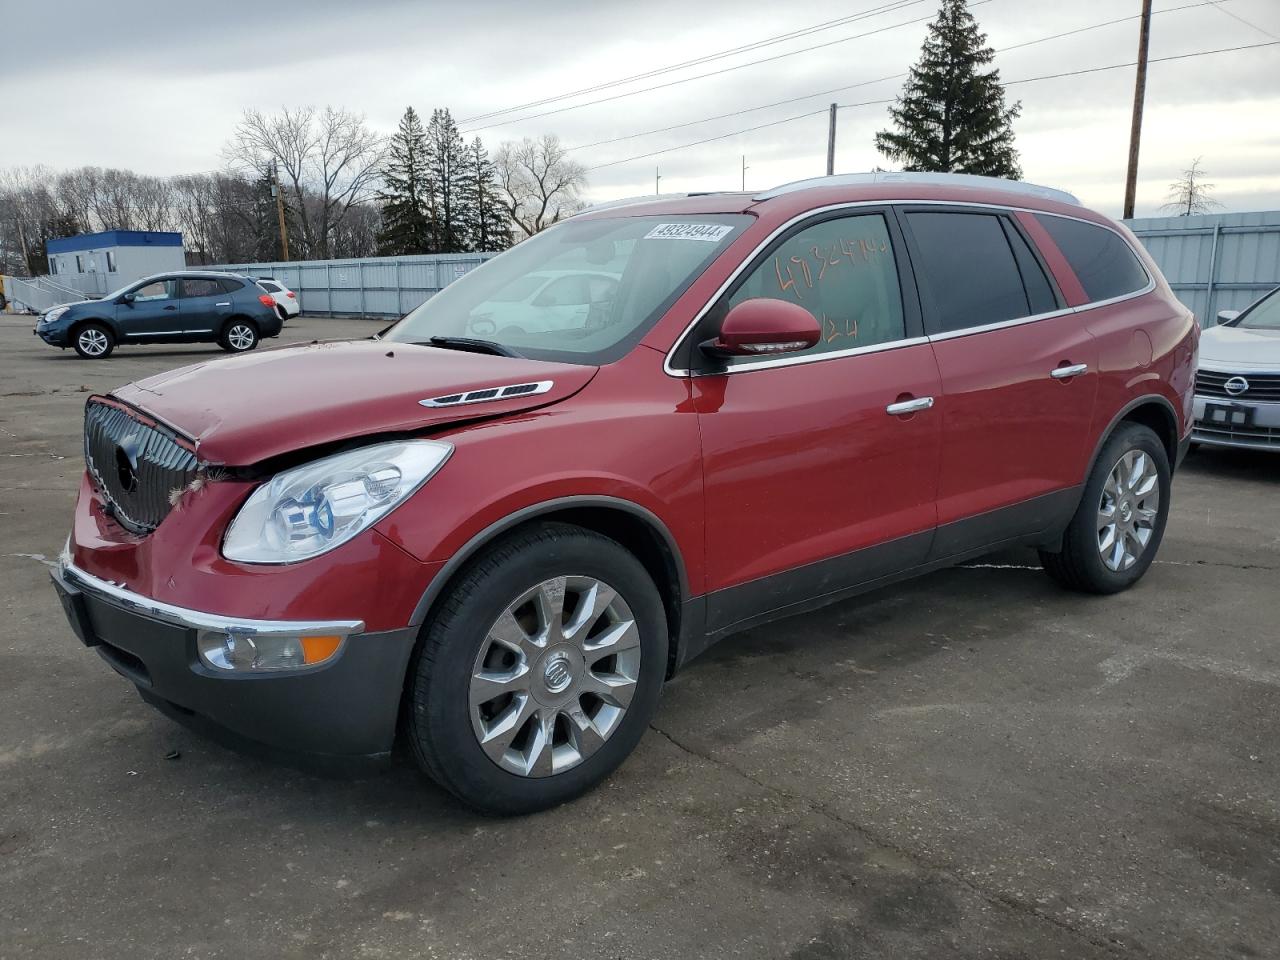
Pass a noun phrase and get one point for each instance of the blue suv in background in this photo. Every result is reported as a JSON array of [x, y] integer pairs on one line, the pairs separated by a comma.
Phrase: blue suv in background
[[185, 307]]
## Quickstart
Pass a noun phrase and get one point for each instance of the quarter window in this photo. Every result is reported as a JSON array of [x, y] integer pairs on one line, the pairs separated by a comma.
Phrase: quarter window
[[843, 272], [967, 269], [1102, 261]]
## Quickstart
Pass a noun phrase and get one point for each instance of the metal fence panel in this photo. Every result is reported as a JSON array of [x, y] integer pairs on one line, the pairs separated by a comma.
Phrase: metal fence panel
[[1215, 262], [372, 287]]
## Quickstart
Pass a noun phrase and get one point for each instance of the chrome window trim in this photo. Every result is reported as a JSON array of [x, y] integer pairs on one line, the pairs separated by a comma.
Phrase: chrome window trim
[[672, 371], [132, 602]]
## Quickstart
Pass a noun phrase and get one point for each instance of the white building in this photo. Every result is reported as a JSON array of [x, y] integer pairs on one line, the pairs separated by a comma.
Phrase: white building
[[97, 263]]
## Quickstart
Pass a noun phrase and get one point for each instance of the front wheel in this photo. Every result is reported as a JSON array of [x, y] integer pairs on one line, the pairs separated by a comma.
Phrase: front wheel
[[240, 336], [540, 671], [1117, 529], [94, 341]]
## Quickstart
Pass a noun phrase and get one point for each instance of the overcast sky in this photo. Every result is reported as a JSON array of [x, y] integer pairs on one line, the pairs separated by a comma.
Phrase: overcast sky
[[122, 84]]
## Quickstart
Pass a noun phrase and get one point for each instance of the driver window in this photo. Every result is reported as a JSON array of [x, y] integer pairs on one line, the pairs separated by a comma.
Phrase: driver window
[[157, 290], [843, 272]]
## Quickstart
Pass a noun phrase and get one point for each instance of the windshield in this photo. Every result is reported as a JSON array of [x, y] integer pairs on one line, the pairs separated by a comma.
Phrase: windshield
[[1265, 314], [584, 291]]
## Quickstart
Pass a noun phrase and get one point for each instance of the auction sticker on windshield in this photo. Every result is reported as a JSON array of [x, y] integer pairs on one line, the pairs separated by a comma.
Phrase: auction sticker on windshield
[[688, 231]]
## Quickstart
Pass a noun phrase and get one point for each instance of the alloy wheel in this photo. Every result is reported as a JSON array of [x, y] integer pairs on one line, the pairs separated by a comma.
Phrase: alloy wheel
[[240, 337], [554, 676], [1128, 510], [93, 342]]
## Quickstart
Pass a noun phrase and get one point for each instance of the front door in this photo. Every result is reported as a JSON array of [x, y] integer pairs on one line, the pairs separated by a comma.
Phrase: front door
[[1019, 377], [813, 482], [152, 311]]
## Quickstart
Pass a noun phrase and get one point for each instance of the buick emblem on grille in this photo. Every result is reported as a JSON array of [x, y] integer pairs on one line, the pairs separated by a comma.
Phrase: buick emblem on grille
[[127, 463], [1236, 386]]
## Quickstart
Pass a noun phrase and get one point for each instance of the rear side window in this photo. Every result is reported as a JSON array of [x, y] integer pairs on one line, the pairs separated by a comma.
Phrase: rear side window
[[200, 287], [1102, 261], [967, 269], [843, 272], [268, 286]]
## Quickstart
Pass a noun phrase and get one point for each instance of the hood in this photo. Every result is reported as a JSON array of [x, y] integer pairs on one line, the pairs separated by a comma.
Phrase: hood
[[1240, 348], [245, 409]]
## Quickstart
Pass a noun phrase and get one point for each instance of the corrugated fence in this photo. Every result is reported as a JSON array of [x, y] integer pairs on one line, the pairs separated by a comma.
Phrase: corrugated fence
[[373, 287], [1215, 262]]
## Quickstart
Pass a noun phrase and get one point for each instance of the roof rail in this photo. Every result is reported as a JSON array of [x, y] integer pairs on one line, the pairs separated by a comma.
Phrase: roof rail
[[939, 179]]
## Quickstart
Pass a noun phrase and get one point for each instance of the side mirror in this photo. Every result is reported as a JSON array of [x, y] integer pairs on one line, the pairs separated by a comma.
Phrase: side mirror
[[126, 298], [1226, 316], [764, 327]]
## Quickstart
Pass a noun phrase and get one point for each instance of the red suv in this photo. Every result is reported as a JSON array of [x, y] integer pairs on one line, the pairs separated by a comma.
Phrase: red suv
[[500, 531]]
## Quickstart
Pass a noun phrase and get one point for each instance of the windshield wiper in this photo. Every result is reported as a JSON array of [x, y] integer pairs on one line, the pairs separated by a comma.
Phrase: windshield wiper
[[472, 346]]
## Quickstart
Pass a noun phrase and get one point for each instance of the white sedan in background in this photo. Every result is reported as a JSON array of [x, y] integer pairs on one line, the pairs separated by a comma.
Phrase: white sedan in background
[[1237, 400], [287, 304]]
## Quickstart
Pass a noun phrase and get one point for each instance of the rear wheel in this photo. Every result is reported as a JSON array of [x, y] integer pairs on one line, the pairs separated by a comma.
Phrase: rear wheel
[[540, 672], [1117, 529], [94, 341], [239, 336]]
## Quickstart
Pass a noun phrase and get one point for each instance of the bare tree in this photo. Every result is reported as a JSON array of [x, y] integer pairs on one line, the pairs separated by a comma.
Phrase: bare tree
[[1190, 194], [538, 183], [329, 160]]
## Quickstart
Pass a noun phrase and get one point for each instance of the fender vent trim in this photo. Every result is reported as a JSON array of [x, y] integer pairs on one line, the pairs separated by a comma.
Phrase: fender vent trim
[[485, 394]]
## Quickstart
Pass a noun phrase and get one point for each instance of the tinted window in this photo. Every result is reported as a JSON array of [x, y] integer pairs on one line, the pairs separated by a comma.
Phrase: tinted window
[[268, 286], [1103, 262], [967, 269], [200, 287], [843, 272], [229, 286], [1040, 292]]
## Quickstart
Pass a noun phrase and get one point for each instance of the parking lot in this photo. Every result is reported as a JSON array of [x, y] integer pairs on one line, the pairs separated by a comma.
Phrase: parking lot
[[976, 764]]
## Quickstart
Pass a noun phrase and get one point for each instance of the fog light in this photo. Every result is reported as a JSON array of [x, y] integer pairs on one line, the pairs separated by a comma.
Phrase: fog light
[[256, 653]]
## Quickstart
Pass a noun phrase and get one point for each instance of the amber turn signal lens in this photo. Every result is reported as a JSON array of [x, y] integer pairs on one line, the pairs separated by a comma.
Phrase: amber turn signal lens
[[319, 649]]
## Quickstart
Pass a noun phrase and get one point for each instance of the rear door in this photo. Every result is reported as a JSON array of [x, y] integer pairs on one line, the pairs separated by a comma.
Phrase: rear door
[[1019, 377], [813, 483], [205, 305]]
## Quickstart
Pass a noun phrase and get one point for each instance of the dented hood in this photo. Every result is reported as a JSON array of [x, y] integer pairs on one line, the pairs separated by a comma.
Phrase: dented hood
[[241, 410]]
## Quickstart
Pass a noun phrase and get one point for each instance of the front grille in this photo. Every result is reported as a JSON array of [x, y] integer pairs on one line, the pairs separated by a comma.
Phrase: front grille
[[1262, 387], [135, 465], [1203, 430]]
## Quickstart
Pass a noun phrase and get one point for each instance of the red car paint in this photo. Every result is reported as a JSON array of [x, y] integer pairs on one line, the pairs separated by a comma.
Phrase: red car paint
[[751, 475]]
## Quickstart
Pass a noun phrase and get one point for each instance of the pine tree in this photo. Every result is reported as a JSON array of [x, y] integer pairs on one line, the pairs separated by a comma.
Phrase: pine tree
[[488, 226], [447, 163], [407, 197], [951, 117]]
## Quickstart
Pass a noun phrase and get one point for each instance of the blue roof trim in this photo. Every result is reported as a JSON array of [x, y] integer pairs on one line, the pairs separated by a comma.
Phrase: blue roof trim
[[114, 238]]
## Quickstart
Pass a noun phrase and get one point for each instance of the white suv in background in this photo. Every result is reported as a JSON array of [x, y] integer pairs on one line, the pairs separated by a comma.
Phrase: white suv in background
[[287, 304], [1238, 384]]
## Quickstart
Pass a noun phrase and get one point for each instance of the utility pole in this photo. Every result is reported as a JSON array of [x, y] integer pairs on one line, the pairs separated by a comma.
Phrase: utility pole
[[279, 195], [657, 179], [831, 141], [745, 168], [26, 256], [1139, 95]]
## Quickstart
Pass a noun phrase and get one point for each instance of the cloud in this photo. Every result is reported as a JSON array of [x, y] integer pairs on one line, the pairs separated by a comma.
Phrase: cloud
[[159, 88]]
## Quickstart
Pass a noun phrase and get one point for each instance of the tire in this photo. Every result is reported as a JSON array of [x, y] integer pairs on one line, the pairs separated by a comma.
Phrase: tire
[[94, 341], [1081, 564], [519, 774], [239, 336]]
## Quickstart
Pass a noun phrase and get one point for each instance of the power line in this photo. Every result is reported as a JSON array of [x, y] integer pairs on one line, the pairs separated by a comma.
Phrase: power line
[[864, 83], [890, 7], [713, 73], [1247, 23], [1009, 83]]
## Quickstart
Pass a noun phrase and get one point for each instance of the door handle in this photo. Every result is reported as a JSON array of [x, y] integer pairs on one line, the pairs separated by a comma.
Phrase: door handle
[[909, 406], [171, 307], [1073, 370]]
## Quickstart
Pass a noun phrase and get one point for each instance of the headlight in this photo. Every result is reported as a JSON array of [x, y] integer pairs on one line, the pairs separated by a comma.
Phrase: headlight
[[311, 509], [53, 314]]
